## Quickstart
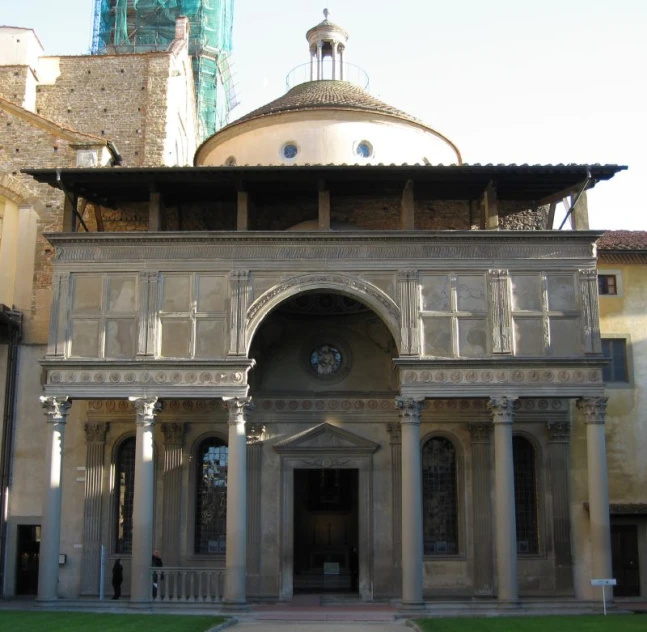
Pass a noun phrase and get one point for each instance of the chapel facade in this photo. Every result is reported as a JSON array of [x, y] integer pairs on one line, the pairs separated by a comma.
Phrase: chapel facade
[[328, 357]]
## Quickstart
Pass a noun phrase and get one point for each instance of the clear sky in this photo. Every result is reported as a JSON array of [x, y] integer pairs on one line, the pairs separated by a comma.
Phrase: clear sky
[[509, 81]]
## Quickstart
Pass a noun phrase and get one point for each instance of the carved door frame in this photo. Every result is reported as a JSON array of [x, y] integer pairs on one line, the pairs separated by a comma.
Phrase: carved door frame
[[344, 451]]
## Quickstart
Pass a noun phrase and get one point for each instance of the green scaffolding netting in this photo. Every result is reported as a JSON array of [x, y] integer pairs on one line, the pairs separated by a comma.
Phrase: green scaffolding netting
[[127, 26]]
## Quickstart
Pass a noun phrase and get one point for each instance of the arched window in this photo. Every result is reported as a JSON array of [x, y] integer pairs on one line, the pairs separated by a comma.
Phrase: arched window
[[125, 491], [211, 496], [525, 495], [440, 498]]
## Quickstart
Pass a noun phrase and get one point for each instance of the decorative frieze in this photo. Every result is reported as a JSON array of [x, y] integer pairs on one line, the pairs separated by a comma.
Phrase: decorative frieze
[[501, 316], [434, 249], [151, 377], [526, 376]]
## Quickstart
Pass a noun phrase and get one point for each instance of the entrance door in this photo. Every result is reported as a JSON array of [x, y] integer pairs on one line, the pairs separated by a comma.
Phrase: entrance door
[[624, 551], [326, 543], [28, 555]]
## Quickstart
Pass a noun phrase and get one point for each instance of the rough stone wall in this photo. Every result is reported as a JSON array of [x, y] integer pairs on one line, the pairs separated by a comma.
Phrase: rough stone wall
[[122, 98], [13, 82], [107, 96], [23, 146], [517, 216]]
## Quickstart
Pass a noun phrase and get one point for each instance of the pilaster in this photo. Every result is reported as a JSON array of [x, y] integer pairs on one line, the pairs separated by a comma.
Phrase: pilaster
[[147, 312], [482, 508], [558, 450], [173, 461], [254, 433], [240, 291], [395, 432], [56, 410], [95, 434], [501, 315], [409, 291], [590, 310], [58, 314]]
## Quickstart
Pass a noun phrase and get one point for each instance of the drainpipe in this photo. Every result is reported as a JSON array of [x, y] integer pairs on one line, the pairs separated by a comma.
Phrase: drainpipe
[[11, 321]]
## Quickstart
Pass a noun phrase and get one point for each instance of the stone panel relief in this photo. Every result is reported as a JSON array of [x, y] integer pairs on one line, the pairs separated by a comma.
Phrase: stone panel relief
[[192, 316]]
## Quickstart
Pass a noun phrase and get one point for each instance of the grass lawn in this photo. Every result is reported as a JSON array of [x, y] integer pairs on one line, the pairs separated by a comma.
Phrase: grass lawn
[[575, 623], [19, 621]]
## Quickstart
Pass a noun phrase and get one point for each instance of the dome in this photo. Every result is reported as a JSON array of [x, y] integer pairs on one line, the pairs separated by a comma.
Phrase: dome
[[327, 120], [325, 94]]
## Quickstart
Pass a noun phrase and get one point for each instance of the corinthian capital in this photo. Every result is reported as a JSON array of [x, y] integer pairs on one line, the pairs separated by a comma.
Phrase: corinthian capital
[[502, 409], [592, 409], [146, 409], [56, 408], [409, 409], [237, 406]]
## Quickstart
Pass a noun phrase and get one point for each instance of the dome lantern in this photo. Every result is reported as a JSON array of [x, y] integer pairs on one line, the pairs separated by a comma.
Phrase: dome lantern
[[326, 40]]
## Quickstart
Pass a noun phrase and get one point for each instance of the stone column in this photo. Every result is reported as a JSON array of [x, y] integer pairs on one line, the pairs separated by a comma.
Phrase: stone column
[[56, 409], [173, 446], [395, 430], [334, 61], [319, 61], [95, 434], [412, 542], [505, 522], [236, 555], [254, 434], [482, 509], [593, 411], [558, 436], [141, 580]]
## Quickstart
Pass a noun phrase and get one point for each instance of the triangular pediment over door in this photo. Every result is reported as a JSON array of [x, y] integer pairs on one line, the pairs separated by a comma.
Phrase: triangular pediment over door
[[326, 438]]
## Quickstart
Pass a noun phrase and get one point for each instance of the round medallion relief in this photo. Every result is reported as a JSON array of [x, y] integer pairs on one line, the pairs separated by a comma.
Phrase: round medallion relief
[[326, 360]]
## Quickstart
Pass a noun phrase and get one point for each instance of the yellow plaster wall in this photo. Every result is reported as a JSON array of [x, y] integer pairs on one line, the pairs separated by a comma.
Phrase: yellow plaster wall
[[626, 315]]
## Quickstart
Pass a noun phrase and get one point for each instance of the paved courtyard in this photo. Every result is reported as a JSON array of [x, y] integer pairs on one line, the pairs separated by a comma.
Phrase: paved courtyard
[[331, 626]]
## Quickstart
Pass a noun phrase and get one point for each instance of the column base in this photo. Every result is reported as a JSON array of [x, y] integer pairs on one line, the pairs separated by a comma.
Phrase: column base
[[234, 606], [413, 608], [141, 604]]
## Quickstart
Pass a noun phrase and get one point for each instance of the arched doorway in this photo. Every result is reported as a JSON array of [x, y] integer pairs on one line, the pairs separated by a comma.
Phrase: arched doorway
[[325, 380]]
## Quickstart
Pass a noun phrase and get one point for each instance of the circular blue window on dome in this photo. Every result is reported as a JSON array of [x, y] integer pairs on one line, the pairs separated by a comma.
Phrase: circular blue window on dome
[[290, 151], [364, 149]]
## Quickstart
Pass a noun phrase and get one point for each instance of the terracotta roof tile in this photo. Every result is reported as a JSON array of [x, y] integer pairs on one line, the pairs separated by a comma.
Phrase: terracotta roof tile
[[325, 94], [623, 240]]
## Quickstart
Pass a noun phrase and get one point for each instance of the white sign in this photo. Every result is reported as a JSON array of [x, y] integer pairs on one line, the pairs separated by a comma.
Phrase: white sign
[[603, 582]]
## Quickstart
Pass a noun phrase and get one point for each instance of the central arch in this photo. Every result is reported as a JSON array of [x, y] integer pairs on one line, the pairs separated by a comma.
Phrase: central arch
[[368, 294]]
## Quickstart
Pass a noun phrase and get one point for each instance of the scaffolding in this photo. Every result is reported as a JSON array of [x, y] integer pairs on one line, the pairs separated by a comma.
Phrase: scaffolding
[[137, 26]]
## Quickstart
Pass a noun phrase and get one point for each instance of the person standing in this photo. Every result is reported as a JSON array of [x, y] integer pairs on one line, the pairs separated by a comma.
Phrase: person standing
[[117, 578], [157, 562]]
